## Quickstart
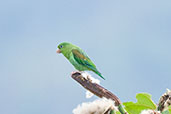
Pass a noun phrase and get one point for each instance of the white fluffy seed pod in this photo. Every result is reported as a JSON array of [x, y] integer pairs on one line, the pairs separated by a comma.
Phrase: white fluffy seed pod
[[99, 106], [165, 101], [150, 112]]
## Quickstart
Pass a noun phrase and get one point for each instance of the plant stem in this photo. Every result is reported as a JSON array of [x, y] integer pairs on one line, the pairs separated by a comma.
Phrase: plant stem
[[121, 109]]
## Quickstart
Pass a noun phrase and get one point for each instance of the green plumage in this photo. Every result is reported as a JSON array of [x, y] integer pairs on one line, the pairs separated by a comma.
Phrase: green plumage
[[77, 57]]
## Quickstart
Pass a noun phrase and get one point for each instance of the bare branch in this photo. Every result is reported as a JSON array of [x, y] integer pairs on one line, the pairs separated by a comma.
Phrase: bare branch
[[95, 88]]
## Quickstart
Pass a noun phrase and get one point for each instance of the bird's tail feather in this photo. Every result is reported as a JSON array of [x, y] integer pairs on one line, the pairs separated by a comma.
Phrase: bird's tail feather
[[98, 73]]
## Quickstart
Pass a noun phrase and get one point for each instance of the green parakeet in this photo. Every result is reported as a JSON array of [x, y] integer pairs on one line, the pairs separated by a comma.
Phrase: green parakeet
[[77, 57]]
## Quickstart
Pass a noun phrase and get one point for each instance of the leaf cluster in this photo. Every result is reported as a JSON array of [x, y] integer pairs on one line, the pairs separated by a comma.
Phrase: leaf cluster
[[144, 102]]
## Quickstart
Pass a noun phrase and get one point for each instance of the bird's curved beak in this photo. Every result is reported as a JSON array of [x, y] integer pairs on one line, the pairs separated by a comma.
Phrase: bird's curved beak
[[58, 51]]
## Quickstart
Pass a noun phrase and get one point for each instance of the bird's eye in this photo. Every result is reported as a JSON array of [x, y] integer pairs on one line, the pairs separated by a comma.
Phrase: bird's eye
[[61, 46]]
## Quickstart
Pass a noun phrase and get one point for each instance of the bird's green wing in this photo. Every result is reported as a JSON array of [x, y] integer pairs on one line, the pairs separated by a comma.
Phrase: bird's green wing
[[84, 60]]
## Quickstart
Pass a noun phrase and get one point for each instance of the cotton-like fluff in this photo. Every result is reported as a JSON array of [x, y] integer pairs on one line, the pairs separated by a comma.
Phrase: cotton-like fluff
[[89, 94], [150, 112], [99, 106], [165, 100], [93, 80], [87, 76]]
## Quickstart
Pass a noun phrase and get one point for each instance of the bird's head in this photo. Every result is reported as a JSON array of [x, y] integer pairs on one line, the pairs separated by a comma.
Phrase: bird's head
[[64, 47]]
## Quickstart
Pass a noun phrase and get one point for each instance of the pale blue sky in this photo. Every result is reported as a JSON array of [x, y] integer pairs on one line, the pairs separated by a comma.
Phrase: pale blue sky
[[129, 41]]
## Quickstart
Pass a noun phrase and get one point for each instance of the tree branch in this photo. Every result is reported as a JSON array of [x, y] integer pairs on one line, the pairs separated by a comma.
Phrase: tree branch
[[98, 90]]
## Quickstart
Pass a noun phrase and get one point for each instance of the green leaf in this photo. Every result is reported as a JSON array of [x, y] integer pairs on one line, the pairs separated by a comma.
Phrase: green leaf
[[169, 109], [145, 99], [166, 112], [144, 102]]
